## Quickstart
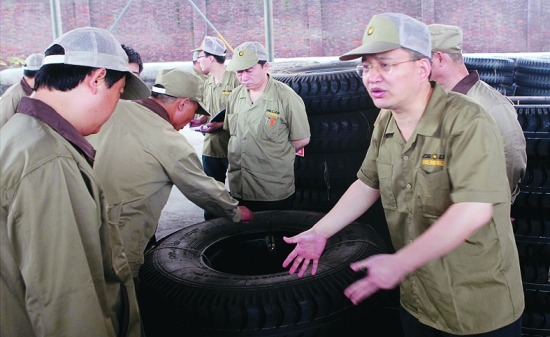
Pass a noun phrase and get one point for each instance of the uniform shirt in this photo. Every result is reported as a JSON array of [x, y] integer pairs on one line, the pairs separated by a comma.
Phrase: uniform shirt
[[454, 155], [11, 98], [62, 261], [261, 153], [506, 117], [200, 74], [215, 97], [140, 156]]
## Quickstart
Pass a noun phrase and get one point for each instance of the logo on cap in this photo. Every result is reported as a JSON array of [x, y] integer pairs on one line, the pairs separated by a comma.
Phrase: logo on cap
[[241, 53], [371, 30]]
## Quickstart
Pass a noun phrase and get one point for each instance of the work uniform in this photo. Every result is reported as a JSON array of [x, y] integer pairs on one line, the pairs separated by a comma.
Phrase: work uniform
[[63, 267], [454, 155], [214, 151], [506, 117], [260, 151], [200, 74], [140, 156], [11, 98]]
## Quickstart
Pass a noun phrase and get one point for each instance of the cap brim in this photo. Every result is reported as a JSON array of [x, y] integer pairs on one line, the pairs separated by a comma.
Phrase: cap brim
[[197, 49], [237, 65], [135, 88], [373, 47], [201, 110]]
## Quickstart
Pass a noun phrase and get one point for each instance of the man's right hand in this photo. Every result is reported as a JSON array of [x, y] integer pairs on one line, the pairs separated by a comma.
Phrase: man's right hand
[[195, 122], [246, 214], [309, 248]]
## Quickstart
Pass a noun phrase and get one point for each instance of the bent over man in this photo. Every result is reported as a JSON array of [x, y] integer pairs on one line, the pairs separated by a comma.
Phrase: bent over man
[[63, 270], [436, 159]]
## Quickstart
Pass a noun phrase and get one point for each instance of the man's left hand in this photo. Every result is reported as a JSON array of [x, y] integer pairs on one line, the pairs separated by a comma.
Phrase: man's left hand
[[211, 127]]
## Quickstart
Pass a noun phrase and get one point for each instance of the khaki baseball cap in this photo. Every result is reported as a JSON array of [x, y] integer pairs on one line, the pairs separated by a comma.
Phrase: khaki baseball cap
[[390, 31], [246, 56], [212, 45], [180, 84], [98, 48], [33, 62], [446, 39]]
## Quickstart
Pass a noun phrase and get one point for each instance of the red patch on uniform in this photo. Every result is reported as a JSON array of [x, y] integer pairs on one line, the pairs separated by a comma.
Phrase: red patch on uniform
[[271, 121]]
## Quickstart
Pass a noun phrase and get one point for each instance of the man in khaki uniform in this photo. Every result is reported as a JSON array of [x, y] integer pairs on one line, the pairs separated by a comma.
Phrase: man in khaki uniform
[[151, 156], [216, 91], [12, 96], [450, 72], [436, 159], [203, 75], [63, 270], [267, 122]]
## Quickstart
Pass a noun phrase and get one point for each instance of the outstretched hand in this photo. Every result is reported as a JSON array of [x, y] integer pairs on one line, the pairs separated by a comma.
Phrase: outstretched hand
[[246, 214], [309, 248]]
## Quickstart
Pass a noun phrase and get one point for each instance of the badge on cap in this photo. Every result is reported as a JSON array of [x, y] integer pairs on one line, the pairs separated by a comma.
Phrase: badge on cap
[[371, 30], [241, 53]]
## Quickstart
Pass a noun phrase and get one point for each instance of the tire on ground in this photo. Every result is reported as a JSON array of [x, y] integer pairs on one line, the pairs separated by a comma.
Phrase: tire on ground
[[219, 278]]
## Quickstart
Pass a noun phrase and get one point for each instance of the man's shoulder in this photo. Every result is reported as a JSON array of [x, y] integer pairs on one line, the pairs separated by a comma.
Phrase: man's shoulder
[[14, 91], [488, 96]]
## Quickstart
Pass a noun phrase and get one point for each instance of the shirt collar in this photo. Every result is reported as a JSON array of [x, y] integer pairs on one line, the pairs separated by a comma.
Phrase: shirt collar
[[43, 112], [26, 87], [466, 83], [155, 107]]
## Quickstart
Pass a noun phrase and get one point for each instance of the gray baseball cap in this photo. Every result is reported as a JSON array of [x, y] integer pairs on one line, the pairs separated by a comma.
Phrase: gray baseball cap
[[33, 62], [246, 56], [181, 84], [98, 48], [212, 45], [390, 31]]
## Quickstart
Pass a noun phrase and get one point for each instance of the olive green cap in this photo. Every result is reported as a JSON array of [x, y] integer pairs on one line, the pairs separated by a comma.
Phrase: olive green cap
[[390, 31], [180, 84], [246, 56], [446, 39]]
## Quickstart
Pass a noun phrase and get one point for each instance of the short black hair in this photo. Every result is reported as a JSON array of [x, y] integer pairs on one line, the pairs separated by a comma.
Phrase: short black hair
[[29, 73], [65, 77], [133, 56], [219, 59]]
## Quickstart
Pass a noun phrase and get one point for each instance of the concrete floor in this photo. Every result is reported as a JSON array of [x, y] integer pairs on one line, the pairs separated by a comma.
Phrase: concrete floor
[[179, 212]]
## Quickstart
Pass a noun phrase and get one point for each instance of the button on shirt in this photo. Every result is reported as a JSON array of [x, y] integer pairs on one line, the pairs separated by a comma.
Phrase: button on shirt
[[454, 155], [261, 154]]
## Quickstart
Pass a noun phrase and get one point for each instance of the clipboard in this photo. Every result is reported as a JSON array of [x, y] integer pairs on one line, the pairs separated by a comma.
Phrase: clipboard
[[219, 117]]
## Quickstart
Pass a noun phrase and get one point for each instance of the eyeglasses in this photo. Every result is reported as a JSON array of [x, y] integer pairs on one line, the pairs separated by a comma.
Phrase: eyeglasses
[[384, 68], [198, 57]]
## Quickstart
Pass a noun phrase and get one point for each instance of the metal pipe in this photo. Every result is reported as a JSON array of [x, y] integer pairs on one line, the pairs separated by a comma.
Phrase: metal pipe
[[268, 15], [212, 26], [55, 11], [121, 14]]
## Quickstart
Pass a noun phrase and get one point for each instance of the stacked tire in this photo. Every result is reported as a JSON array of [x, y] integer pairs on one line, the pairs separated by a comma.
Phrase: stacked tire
[[531, 214], [532, 77], [498, 72]]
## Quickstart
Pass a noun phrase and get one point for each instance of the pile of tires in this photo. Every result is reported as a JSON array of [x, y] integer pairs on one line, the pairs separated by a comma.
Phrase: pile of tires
[[531, 214], [219, 278], [532, 77], [498, 72]]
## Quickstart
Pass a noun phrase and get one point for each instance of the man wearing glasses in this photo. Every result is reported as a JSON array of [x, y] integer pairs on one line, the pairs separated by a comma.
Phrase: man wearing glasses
[[436, 160]]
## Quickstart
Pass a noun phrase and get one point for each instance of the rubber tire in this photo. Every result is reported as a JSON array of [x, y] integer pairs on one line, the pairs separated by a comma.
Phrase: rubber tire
[[529, 91], [496, 78], [534, 117], [328, 88], [498, 64], [536, 81], [335, 133], [534, 65], [537, 145], [181, 295]]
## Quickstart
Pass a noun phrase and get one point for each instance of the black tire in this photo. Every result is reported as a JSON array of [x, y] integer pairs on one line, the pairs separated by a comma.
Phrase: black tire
[[343, 132], [317, 200], [534, 117], [537, 175], [323, 170], [540, 81], [496, 78], [537, 145], [529, 91], [529, 100], [534, 65], [195, 284], [499, 64], [328, 88]]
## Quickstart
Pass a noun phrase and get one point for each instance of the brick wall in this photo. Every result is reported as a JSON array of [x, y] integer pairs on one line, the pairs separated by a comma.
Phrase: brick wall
[[167, 30]]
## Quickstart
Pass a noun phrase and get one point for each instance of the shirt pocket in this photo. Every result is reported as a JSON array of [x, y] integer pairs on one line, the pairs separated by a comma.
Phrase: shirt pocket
[[385, 173], [433, 191], [233, 120], [270, 128]]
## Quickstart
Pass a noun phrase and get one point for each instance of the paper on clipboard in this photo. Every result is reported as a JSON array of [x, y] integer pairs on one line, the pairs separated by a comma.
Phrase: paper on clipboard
[[219, 117]]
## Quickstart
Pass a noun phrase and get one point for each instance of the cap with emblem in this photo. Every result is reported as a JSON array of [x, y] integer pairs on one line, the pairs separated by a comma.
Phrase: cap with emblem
[[180, 84], [246, 56], [390, 31], [212, 45], [98, 48], [446, 39], [33, 62]]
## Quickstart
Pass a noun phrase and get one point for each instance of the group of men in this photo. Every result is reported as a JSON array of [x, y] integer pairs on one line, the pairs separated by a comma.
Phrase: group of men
[[73, 237]]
